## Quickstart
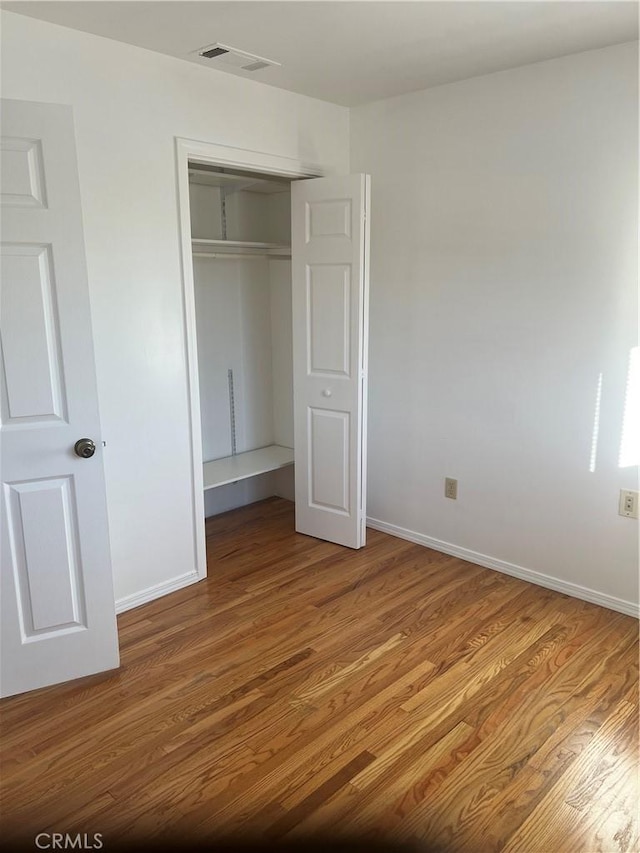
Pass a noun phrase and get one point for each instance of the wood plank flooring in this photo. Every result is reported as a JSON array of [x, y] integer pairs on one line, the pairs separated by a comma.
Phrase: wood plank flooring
[[305, 689]]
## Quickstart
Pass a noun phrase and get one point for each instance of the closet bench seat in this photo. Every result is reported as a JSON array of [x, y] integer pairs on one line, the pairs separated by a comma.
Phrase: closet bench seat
[[230, 469]]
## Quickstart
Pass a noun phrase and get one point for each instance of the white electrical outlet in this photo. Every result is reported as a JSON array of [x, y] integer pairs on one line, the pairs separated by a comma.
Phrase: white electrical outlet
[[628, 505], [451, 488]]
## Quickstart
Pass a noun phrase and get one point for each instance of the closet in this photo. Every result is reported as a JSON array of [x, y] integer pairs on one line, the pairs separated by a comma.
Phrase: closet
[[241, 249], [280, 301]]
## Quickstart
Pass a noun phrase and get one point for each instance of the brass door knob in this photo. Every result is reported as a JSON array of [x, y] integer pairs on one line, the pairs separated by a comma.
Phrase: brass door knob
[[85, 448]]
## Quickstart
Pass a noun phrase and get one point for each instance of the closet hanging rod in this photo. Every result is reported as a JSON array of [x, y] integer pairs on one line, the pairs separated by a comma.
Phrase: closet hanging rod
[[238, 255], [205, 242]]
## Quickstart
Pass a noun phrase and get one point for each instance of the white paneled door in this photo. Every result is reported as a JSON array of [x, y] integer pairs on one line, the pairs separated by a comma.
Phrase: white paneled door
[[58, 611], [330, 245]]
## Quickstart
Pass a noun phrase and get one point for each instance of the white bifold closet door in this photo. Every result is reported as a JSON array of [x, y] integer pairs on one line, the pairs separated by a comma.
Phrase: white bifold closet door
[[330, 246]]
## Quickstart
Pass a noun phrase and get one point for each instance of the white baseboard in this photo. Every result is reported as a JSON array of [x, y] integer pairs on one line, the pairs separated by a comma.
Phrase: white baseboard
[[630, 608], [128, 602]]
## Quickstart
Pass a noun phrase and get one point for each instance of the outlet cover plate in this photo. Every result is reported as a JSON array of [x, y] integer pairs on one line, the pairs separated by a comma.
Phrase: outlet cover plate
[[628, 505], [451, 488]]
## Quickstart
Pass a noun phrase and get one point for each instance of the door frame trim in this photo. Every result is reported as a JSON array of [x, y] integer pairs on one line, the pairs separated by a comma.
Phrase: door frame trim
[[238, 158]]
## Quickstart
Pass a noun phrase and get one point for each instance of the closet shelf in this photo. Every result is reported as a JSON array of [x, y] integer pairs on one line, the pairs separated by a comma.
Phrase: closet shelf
[[231, 183], [244, 465], [215, 248]]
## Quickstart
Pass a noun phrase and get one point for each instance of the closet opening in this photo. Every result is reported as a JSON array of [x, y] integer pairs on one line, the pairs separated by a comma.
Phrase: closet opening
[[241, 256], [276, 337]]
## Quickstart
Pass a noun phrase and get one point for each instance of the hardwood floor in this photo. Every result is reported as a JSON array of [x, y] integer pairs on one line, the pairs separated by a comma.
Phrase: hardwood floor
[[390, 693]]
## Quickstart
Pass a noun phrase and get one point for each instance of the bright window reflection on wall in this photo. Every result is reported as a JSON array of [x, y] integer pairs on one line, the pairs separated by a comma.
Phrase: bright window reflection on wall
[[630, 444], [596, 426]]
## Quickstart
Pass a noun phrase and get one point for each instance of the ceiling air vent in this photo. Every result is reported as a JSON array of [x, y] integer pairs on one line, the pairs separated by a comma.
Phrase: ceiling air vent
[[223, 54]]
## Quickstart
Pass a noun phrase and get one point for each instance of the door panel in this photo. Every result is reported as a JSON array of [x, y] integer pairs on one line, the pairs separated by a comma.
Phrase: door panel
[[329, 439], [328, 218], [22, 173], [330, 284], [43, 535], [58, 609], [30, 339], [329, 333]]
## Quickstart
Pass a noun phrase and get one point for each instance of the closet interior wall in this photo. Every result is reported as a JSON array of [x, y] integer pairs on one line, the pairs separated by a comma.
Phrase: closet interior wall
[[244, 325]]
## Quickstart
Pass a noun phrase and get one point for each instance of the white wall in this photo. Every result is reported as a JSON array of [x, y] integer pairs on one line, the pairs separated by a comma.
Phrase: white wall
[[129, 105], [233, 320], [503, 282]]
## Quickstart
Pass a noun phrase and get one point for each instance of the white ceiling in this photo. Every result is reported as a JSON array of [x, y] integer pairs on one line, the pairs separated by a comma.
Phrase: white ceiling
[[353, 52]]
